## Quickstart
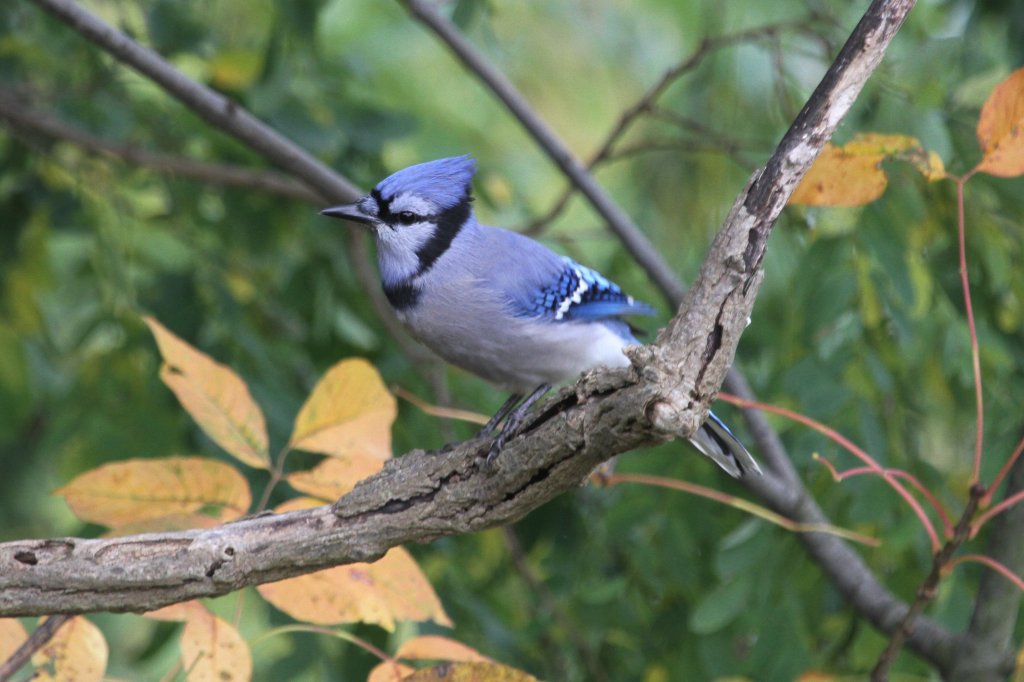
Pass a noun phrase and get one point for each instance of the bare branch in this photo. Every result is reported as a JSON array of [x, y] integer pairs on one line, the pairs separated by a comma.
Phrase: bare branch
[[419, 497], [36, 641], [215, 108], [986, 653], [757, 209], [928, 589], [638, 245], [646, 105], [24, 118]]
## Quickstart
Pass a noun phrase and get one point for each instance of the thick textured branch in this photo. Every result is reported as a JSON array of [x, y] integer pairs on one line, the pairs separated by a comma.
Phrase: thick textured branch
[[420, 497]]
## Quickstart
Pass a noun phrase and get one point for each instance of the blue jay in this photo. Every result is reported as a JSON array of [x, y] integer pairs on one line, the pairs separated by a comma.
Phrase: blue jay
[[497, 303]]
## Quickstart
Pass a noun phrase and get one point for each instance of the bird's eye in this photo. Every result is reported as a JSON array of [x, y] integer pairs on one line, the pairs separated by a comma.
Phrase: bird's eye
[[408, 218]]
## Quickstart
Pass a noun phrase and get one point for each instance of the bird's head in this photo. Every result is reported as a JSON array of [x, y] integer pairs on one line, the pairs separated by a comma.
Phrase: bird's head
[[415, 213]]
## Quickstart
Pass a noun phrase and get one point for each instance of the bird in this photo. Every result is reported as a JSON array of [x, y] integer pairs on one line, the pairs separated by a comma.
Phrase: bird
[[498, 303]]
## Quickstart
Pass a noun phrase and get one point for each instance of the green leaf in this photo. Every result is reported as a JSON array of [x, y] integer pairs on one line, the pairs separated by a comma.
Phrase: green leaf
[[721, 606]]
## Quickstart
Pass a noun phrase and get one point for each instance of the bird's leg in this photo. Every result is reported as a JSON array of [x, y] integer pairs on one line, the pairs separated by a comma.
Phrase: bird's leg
[[514, 420], [493, 422]]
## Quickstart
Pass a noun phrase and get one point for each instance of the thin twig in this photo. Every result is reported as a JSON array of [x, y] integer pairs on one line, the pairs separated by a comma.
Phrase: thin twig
[[1003, 471], [990, 635], [646, 105], [998, 509], [36, 641], [854, 450], [742, 505], [947, 523], [988, 561], [929, 588], [965, 285]]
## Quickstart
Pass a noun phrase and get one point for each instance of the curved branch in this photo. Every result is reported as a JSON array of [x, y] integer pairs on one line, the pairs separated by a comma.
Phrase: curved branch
[[220, 111], [758, 206], [419, 497], [22, 117], [986, 653], [622, 224]]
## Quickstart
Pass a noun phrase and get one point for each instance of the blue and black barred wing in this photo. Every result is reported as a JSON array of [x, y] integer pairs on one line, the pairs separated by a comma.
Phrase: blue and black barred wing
[[580, 293]]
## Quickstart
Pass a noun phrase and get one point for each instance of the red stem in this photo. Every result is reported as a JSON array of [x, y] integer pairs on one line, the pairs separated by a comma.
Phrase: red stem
[[975, 353], [991, 563], [1001, 507], [985, 501], [844, 442], [947, 523]]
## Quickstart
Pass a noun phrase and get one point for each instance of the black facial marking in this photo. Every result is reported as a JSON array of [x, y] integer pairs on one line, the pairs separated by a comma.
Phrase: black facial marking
[[402, 296], [449, 222], [383, 207]]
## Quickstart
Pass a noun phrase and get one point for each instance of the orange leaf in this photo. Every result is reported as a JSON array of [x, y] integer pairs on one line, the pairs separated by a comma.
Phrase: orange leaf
[[77, 653], [332, 478], [349, 412], [12, 635], [389, 671], [215, 396], [212, 649], [850, 175], [393, 588], [1001, 128], [470, 672], [143, 490], [437, 648]]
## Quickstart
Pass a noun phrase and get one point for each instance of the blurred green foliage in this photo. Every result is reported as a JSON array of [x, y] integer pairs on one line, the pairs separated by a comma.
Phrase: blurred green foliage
[[859, 324]]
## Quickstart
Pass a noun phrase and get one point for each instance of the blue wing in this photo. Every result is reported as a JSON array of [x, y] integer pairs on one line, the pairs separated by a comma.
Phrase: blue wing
[[580, 293]]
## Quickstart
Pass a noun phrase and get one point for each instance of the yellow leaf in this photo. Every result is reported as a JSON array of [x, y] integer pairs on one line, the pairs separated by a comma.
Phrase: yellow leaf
[[215, 396], [393, 588], [850, 175], [142, 490], [405, 589], [332, 478], [343, 594], [470, 672], [298, 504], [172, 613], [1001, 128], [437, 648], [77, 653], [929, 164], [164, 524], [12, 635], [389, 671], [212, 650], [349, 412]]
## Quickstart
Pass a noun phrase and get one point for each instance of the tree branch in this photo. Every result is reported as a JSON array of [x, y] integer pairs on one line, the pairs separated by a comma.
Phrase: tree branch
[[420, 497], [758, 207], [986, 653], [22, 117], [36, 641], [216, 109], [643, 251]]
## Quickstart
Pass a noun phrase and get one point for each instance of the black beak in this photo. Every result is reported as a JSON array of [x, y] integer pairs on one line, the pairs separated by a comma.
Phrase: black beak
[[348, 212]]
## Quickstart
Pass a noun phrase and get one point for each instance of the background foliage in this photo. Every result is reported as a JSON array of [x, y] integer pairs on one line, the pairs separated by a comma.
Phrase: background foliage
[[859, 325]]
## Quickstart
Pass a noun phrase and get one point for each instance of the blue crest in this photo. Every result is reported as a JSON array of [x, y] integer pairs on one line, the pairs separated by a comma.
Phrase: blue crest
[[444, 182]]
